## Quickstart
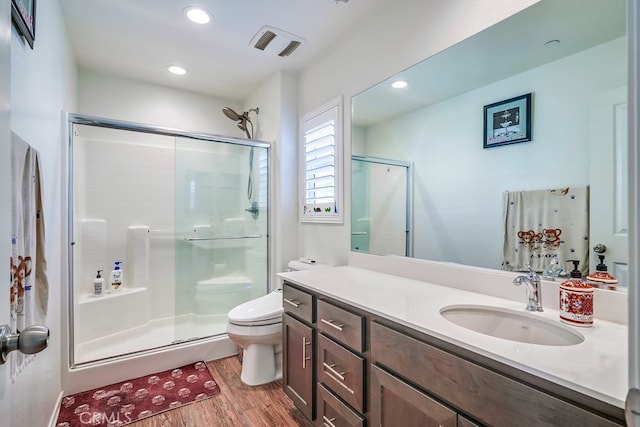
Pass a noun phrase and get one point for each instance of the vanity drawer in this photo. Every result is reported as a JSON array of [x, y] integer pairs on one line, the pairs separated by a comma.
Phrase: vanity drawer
[[332, 412], [342, 325], [342, 371], [493, 399], [299, 303]]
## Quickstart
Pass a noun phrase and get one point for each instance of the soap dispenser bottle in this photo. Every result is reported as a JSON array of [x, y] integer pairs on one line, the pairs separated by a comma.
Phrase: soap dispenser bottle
[[98, 285], [601, 278], [115, 278], [576, 299]]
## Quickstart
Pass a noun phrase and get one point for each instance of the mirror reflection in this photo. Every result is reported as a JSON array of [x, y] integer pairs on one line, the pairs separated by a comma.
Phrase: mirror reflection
[[574, 65], [381, 198]]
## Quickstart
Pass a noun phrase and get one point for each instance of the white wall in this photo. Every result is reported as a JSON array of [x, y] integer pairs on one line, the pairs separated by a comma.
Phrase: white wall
[[42, 86], [400, 35], [454, 175], [122, 99], [278, 124]]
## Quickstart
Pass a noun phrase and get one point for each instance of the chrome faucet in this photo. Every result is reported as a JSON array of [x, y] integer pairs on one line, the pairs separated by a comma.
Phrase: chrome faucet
[[534, 290]]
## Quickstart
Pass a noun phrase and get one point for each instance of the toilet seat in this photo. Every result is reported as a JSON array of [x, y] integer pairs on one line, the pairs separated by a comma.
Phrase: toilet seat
[[266, 310]]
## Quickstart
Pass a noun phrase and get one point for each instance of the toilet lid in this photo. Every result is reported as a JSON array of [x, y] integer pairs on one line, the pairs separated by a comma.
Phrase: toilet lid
[[264, 308]]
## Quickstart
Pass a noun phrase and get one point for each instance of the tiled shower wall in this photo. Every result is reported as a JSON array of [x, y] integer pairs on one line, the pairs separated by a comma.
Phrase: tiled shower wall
[[121, 183]]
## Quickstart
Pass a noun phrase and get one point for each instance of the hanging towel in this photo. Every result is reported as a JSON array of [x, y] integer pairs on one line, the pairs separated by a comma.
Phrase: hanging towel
[[29, 284], [539, 224]]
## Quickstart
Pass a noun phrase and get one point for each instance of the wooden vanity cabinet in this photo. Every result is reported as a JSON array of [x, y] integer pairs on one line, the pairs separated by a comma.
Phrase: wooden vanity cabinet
[[396, 403], [466, 422], [490, 397], [298, 355], [333, 412], [340, 362], [355, 368]]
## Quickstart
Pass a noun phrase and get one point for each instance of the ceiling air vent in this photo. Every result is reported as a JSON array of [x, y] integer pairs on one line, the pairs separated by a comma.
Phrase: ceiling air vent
[[290, 48], [275, 41]]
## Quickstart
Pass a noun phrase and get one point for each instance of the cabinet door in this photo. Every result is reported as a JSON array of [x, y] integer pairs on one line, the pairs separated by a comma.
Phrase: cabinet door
[[298, 361], [396, 403]]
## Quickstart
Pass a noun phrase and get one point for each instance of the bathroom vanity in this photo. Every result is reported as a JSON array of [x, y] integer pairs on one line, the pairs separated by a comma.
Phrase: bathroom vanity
[[368, 348]]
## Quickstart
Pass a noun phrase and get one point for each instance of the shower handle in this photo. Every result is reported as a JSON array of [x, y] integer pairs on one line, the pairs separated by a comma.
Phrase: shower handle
[[254, 210], [31, 340]]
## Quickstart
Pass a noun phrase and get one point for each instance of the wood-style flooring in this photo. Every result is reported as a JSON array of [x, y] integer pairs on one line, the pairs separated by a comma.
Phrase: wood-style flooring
[[236, 404]]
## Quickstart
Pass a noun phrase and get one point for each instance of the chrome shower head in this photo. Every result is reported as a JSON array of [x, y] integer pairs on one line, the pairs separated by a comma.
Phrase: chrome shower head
[[231, 114], [242, 119]]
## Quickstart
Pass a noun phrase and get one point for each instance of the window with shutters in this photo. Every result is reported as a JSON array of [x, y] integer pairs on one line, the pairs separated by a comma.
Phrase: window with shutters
[[321, 163]]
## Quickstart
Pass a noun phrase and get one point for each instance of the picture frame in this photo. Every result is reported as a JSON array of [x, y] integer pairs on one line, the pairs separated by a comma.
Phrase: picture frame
[[507, 122], [23, 16]]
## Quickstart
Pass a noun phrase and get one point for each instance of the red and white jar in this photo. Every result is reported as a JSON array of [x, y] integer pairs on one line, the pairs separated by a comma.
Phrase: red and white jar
[[576, 302]]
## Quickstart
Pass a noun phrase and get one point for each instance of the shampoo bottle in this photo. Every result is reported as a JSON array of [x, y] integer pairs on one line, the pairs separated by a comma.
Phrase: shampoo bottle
[[98, 285], [576, 300], [115, 278]]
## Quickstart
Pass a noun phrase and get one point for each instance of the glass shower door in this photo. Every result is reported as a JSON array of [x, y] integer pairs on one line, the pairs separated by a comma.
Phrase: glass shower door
[[221, 228], [380, 206]]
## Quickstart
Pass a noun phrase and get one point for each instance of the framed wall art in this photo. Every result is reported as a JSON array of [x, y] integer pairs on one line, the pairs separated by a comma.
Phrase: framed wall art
[[507, 122], [23, 15]]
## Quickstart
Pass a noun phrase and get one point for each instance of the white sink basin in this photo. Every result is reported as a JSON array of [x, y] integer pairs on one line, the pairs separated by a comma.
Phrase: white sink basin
[[511, 325]]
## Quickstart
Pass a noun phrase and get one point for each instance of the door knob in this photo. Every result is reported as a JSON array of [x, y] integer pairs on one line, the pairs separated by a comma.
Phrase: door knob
[[600, 248], [31, 340], [632, 408]]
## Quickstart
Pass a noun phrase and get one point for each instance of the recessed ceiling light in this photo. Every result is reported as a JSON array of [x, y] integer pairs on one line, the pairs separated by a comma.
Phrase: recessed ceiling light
[[176, 69], [554, 42], [197, 15], [399, 84]]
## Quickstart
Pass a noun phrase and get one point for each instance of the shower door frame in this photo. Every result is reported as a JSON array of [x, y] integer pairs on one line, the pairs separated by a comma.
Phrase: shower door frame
[[81, 119], [409, 194]]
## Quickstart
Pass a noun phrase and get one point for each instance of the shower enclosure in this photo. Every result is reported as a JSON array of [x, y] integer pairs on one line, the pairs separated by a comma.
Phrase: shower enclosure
[[380, 206], [185, 213]]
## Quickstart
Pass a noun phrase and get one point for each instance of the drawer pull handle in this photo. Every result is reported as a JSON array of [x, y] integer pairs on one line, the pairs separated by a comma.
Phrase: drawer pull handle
[[333, 371], [294, 303], [340, 382], [328, 422], [333, 324], [305, 343]]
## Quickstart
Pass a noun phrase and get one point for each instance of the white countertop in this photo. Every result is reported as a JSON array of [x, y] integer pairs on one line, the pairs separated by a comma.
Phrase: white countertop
[[596, 367]]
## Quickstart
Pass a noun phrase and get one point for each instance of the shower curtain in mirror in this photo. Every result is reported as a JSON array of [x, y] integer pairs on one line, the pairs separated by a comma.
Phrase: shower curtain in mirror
[[539, 224], [29, 284]]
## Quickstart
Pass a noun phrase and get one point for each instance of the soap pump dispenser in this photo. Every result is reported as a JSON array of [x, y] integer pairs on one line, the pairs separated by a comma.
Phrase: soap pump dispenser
[[576, 299], [601, 278], [98, 285]]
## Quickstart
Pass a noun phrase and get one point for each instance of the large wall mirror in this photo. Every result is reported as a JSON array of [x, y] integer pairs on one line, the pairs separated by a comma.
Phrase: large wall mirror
[[571, 56]]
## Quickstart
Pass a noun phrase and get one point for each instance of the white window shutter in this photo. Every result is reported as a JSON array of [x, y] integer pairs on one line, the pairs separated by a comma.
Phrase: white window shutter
[[321, 164]]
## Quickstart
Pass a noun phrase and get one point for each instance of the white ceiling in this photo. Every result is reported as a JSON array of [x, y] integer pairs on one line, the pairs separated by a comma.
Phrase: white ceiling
[[137, 39], [512, 46]]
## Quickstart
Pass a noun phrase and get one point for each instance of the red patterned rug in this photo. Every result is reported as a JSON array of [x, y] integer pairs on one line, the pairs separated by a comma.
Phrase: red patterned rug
[[123, 403]]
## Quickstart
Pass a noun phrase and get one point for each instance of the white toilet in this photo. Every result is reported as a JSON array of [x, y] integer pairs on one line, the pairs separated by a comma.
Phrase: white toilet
[[256, 326]]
